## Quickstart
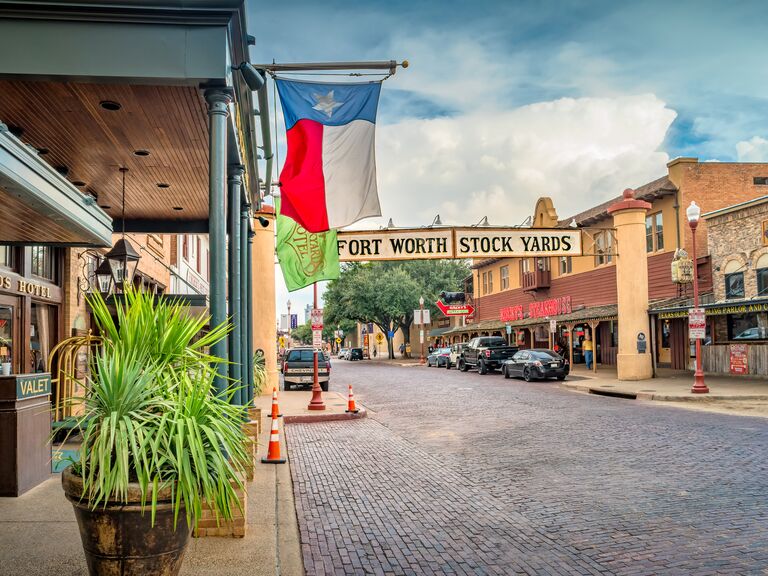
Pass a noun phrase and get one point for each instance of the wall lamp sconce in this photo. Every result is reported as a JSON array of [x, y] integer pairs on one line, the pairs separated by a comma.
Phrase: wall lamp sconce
[[252, 77], [263, 221]]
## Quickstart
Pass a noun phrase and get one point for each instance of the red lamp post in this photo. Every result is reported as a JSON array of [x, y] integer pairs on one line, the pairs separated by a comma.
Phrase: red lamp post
[[316, 403], [693, 213]]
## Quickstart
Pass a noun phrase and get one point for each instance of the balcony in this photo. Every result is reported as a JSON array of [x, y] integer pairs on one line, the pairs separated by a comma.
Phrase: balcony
[[536, 280]]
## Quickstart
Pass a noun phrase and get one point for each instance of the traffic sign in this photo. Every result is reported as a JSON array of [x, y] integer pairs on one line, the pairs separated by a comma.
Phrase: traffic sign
[[317, 319], [421, 316], [391, 333], [317, 338], [338, 340], [281, 341], [455, 309], [697, 324], [553, 326], [379, 338]]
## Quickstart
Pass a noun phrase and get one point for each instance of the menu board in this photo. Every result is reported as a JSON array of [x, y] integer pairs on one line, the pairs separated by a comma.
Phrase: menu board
[[739, 359]]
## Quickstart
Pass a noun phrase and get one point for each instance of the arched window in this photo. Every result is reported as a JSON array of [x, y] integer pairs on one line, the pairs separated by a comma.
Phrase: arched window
[[761, 270], [734, 280]]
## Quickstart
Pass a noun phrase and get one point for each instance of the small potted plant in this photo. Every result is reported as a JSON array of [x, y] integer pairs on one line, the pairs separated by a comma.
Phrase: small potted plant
[[159, 445], [5, 357]]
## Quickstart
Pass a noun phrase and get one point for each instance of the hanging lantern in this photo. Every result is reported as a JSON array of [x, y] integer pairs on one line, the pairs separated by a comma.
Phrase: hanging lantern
[[123, 260]]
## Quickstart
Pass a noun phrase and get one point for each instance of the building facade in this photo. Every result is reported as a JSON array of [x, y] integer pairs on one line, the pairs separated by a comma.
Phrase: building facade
[[525, 298]]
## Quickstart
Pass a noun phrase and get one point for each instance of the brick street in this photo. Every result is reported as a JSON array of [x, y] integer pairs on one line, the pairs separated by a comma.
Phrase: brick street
[[457, 473]]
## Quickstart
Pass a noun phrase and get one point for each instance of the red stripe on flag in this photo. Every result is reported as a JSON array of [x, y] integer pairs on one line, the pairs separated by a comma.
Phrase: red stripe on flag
[[302, 181]]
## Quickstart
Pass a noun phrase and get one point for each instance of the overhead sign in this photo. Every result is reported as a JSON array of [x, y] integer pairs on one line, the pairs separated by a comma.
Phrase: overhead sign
[[697, 324], [469, 242], [317, 319], [455, 309]]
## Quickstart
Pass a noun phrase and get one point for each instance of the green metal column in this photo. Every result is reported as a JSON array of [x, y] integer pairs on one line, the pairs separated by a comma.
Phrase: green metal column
[[218, 100], [235, 341], [249, 309], [245, 332]]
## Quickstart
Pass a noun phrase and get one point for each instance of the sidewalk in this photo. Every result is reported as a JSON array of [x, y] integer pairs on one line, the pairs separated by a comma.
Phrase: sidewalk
[[39, 533], [747, 397]]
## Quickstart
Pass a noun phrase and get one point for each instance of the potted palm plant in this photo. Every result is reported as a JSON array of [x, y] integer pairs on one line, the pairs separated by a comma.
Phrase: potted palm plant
[[158, 445]]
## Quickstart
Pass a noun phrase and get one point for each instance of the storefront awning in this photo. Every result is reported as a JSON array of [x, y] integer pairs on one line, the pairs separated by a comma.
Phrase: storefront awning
[[40, 206], [679, 308]]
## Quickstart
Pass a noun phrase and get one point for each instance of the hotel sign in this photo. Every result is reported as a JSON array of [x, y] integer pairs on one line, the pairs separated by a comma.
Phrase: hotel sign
[[434, 243], [23, 286]]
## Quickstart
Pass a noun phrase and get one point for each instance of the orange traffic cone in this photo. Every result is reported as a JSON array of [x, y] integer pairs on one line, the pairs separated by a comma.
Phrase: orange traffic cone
[[273, 453], [351, 408], [275, 409]]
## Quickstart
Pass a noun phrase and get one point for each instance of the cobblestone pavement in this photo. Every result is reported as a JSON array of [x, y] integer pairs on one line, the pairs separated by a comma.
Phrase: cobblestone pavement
[[457, 473]]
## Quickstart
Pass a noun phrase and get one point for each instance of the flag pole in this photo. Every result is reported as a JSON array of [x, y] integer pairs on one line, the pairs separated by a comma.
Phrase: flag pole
[[317, 393], [390, 65]]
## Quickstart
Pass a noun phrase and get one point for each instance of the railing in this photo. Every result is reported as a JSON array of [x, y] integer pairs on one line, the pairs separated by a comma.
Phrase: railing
[[536, 279]]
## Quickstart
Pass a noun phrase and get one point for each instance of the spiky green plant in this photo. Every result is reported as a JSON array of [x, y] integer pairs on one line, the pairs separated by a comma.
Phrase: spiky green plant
[[152, 412], [259, 372]]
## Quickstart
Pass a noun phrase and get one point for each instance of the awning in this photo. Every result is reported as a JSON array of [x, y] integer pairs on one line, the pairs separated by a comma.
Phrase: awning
[[40, 206], [668, 310], [435, 332]]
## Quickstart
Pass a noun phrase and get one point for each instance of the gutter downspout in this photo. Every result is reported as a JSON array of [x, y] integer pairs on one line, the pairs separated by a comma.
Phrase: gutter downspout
[[266, 138], [676, 206]]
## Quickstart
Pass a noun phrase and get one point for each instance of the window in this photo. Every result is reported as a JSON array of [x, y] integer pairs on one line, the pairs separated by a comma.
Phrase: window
[[43, 263], [490, 281], [485, 283], [7, 257], [184, 247], [760, 181], [566, 265], [762, 276], [603, 247], [753, 326], [654, 232], [734, 285], [199, 253], [504, 272], [542, 264]]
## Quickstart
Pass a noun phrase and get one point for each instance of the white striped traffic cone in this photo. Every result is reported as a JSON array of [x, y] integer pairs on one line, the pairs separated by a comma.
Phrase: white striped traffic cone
[[273, 453], [351, 408]]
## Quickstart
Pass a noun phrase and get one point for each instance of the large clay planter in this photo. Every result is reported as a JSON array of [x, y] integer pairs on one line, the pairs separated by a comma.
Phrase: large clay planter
[[119, 540]]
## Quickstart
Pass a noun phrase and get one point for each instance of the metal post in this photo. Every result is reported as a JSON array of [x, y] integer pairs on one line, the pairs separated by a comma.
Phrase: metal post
[[699, 387], [218, 100], [247, 395], [317, 393], [422, 360], [249, 313], [235, 340]]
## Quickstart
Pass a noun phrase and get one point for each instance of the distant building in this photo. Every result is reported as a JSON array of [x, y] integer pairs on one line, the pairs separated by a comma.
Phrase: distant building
[[189, 262]]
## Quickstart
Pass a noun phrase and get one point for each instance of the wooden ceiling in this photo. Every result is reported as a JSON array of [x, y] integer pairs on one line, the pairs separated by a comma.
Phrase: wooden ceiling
[[170, 122]]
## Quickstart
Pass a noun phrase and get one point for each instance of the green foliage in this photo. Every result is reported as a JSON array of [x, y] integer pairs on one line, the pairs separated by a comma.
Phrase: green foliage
[[153, 415], [259, 371], [386, 293]]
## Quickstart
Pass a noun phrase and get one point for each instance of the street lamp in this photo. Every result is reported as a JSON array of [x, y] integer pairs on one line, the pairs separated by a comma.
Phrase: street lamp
[[693, 213], [422, 360]]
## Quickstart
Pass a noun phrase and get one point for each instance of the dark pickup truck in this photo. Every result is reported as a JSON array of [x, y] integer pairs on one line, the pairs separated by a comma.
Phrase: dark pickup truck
[[298, 368], [486, 353]]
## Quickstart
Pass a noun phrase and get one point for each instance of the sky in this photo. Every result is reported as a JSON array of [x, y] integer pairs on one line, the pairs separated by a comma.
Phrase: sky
[[504, 102]]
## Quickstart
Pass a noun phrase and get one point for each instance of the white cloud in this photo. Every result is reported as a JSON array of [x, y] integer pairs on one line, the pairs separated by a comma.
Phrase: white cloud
[[497, 163], [753, 150]]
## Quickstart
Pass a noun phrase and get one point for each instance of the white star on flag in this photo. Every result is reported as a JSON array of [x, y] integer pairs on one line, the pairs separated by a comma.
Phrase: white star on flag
[[325, 103]]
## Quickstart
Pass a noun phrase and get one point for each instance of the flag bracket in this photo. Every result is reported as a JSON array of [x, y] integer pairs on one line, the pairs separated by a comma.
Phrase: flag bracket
[[390, 65]]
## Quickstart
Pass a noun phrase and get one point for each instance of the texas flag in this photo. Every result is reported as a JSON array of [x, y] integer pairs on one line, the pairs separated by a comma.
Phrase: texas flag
[[329, 177]]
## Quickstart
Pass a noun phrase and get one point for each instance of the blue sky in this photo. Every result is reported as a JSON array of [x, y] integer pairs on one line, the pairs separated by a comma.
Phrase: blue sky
[[508, 101]]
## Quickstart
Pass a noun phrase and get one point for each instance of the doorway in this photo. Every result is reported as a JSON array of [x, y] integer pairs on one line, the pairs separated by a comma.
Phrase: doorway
[[9, 336]]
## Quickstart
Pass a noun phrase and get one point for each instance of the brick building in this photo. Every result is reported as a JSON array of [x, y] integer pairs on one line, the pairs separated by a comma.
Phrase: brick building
[[523, 294]]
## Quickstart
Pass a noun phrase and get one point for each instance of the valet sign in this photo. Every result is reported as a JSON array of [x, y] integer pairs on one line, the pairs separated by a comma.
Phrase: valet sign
[[449, 242], [697, 324]]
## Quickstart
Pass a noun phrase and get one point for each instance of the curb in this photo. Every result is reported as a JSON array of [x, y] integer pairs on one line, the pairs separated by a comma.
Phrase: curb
[[664, 397], [312, 418]]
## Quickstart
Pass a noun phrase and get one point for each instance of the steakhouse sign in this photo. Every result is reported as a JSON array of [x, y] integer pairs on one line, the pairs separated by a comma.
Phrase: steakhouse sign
[[434, 243]]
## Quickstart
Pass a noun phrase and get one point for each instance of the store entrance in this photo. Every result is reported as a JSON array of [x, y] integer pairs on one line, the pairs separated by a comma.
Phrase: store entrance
[[9, 335]]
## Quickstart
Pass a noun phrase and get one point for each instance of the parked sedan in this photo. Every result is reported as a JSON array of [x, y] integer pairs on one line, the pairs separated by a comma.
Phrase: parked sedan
[[439, 357], [343, 353], [536, 364]]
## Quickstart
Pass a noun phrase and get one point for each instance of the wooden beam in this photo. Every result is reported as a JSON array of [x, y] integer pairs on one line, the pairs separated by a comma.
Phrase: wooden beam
[[151, 226]]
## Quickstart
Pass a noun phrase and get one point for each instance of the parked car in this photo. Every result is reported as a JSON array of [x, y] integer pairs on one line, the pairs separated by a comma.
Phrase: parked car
[[343, 353], [536, 364], [438, 357], [486, 353], [299, 365], [355, 354], [455, 354]]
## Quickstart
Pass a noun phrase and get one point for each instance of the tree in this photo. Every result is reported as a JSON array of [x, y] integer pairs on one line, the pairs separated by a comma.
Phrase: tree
[[386, 293]]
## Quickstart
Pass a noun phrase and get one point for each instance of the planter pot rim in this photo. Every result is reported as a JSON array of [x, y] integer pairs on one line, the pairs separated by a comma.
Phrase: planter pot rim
[[73, 488]]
